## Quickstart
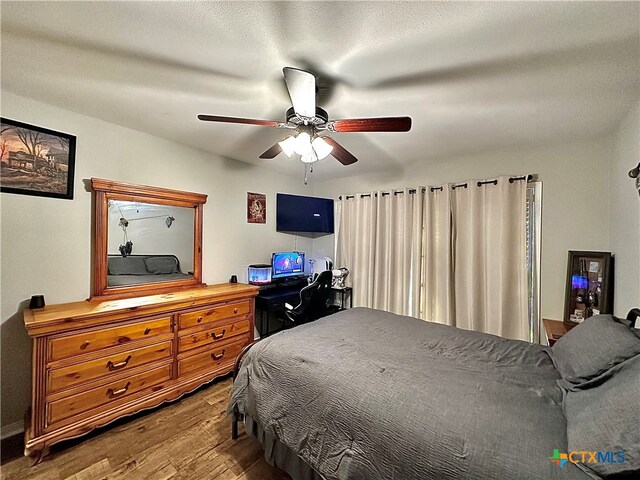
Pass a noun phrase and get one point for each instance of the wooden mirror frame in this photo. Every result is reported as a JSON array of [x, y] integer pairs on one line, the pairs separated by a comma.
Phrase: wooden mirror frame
[[106, 190]]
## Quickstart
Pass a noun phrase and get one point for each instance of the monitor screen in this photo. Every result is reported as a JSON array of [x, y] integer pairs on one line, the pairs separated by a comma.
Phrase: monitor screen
[[287, 264]]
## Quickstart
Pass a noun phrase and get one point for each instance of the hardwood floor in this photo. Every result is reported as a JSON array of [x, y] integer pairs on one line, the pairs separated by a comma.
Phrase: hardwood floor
[[189, 439]]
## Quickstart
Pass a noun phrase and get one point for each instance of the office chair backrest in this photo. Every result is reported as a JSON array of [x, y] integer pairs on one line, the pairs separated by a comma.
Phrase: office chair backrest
[[314, 298]]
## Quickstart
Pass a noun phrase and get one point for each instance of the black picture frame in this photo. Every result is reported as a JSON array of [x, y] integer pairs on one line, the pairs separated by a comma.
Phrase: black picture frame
[[36, 160], [589, 284]]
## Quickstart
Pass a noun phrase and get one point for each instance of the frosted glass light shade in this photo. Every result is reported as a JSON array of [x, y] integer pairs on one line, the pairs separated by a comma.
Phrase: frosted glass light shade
[[288, 145], [303, 144], [321, 147], [309, 157]]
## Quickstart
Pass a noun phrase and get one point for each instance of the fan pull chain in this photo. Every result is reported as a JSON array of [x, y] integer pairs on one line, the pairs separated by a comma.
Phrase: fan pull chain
[[306, 168]]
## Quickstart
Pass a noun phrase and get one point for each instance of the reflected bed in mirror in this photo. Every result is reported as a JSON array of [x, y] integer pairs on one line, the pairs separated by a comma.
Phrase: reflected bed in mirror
[[147, 239]]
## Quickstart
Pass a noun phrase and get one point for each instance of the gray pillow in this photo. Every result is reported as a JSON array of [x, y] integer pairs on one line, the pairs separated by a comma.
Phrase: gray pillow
[[606, 418], [127, 266], [593, 347], [162, 265]]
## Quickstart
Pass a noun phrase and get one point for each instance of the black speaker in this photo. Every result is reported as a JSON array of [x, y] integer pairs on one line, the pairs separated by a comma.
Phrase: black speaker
[[37, 301]]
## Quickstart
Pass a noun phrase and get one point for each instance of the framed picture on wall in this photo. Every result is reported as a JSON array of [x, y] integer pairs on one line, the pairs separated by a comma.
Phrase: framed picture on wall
[[256, 208], [589, 288], [36, 160]]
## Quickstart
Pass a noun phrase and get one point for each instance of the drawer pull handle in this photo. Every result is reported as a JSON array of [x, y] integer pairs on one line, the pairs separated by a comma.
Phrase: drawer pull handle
[[116, 366], [111, 393], [199, 319], [84, 345], [235, 310], [147, 330], [217, 357], [218, 337]]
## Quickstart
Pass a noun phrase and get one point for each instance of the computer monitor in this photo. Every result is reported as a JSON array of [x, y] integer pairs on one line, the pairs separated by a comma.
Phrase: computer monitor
[[287, 264]]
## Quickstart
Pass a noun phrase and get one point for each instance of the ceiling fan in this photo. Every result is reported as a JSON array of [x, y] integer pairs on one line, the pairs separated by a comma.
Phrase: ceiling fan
[[308, 124]]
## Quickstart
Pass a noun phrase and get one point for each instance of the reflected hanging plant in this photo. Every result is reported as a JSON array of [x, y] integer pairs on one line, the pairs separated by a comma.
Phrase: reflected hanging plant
[[126, 249], [635, 173]]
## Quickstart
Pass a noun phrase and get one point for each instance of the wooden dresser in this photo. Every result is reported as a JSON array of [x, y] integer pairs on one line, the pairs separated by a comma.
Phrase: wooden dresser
[[96, 361]]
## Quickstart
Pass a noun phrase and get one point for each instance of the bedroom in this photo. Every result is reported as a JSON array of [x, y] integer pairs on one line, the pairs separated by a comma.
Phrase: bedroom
[[492, 88]]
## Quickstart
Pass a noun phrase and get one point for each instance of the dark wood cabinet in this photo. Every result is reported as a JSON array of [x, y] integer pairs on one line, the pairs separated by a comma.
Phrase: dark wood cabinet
[[589, 285]]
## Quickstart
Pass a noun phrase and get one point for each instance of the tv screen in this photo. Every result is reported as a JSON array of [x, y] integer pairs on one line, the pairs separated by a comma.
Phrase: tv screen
[[297, 213], [287, 264]]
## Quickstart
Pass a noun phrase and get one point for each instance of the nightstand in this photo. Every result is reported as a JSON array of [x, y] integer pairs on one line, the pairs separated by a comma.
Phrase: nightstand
[[344, 291], [555, 329]]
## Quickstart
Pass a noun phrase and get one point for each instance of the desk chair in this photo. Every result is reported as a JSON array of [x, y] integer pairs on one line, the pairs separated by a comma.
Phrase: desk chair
[[314, 301]]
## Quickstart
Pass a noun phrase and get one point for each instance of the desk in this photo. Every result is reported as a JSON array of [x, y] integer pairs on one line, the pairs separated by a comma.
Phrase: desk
[[272, 301]]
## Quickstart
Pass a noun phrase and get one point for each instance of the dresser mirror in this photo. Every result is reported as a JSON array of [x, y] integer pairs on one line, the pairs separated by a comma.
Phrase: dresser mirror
[[147, 239]]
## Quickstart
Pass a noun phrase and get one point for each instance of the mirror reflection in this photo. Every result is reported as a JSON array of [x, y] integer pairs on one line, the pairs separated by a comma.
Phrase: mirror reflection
[[149, 243]]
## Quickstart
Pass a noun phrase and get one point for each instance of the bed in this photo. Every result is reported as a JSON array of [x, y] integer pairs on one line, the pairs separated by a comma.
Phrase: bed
[[138, 269], [365, 394]]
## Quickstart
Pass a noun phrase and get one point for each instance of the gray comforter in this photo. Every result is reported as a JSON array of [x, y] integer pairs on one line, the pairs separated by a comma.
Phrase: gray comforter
[[365, 394]]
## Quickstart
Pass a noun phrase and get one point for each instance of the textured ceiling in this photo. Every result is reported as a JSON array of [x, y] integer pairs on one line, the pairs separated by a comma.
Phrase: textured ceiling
[[473, 76]]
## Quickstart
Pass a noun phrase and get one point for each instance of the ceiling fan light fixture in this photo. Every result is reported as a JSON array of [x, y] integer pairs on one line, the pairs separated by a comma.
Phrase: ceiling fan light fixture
[[321, 148], [288, 145], [309, 157], [303, 144]]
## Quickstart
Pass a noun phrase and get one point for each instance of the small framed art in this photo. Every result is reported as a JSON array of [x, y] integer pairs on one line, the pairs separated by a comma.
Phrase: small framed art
[[256, 208]]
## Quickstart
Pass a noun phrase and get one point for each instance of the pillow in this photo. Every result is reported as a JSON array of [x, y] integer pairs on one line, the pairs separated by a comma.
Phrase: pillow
[[605, 418], [126, 266], [162, 265], [593, 347]]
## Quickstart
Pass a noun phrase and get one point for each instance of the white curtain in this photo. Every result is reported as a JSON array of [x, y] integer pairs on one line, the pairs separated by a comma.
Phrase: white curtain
[[379, 241], [356, 245], [396, 285], [449, 255], [489, 251], [437, 267]]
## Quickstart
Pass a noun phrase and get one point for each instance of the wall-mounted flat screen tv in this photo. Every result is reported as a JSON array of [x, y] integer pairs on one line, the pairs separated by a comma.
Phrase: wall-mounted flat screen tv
[[297, 213]]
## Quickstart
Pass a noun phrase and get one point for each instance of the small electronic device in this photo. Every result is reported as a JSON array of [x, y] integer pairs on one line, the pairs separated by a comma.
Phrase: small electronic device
[[259, 274], [287, 264]]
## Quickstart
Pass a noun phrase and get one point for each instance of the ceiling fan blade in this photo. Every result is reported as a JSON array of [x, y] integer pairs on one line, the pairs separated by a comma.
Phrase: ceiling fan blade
[[339, 152], [302, 91], [272, 152], [382, 124], [248, 121]]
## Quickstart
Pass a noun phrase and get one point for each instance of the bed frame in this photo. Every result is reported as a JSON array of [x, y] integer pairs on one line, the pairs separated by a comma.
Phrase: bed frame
[[236, 367]]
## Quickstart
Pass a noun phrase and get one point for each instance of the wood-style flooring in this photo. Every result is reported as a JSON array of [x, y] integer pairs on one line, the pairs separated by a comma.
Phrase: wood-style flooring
[[188, 439]]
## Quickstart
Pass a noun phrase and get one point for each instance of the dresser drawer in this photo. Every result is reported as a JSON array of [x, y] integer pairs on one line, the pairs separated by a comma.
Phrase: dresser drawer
[[101, 398], [212, 359], [71, 345], [211, 336], [213, 314], [102, 368]]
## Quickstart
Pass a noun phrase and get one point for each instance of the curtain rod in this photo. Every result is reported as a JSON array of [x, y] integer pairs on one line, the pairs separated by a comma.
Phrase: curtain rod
[[527, 178]]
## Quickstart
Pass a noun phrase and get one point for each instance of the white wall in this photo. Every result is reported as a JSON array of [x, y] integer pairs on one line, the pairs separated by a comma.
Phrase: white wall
[[46, 243], [575, 209], [625, 213]]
